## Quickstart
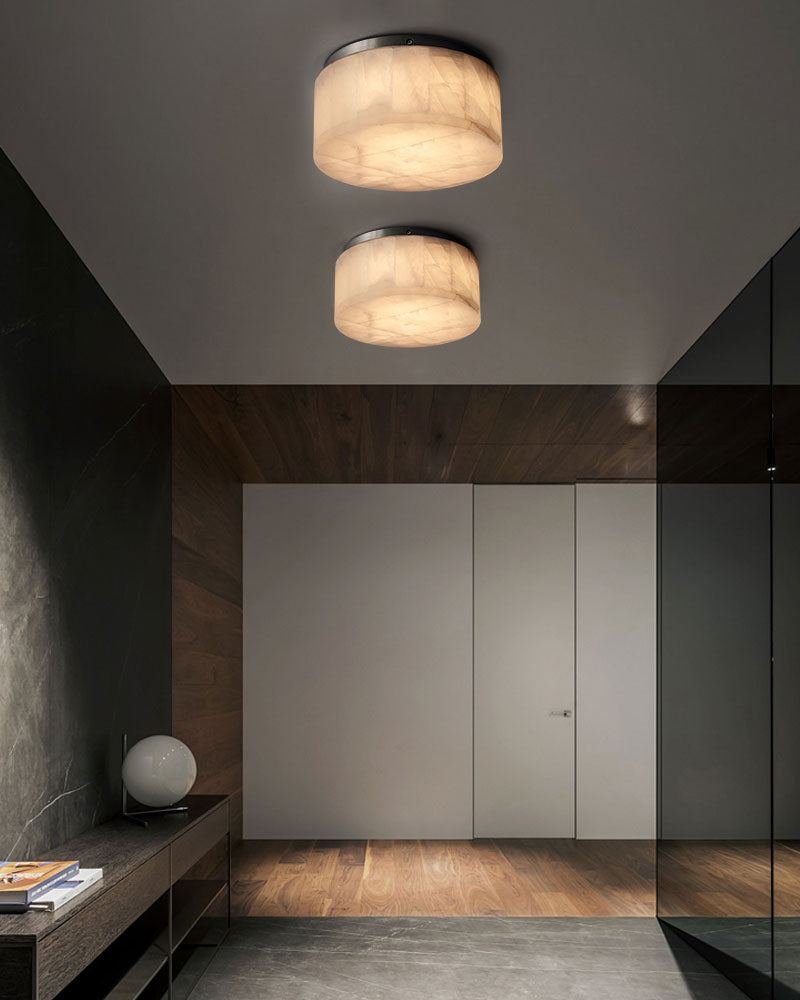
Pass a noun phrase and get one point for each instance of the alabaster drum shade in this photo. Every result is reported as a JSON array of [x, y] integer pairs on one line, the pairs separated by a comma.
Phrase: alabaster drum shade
[[406, 288], [398, 114]]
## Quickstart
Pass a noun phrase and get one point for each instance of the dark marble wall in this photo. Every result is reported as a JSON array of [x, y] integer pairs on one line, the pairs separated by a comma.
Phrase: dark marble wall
[[84, 535]]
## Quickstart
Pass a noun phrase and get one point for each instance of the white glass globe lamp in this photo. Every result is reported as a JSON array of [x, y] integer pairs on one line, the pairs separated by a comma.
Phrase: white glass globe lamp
[[159, 771]]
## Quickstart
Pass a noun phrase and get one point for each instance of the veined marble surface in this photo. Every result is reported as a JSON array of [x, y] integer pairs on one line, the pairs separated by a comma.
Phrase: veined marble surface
[[84, 536], [458, 958]]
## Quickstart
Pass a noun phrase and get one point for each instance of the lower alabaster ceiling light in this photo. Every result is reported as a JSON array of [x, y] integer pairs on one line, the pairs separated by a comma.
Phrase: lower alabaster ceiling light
[[406, 287], [407, 113]]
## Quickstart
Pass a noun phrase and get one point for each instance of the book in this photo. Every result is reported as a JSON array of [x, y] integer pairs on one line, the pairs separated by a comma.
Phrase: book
[[22, 882], [67, 890]]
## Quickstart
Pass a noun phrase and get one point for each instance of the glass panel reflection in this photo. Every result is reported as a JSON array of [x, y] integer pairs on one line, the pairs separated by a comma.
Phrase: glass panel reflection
[[714, 851], [786, 618]]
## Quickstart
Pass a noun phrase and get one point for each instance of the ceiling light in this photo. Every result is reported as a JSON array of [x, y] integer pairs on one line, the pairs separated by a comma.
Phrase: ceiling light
[[406, 287], [407, 113]]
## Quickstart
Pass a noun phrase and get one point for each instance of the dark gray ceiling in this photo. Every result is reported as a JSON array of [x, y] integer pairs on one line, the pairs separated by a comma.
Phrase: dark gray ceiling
[[652, 165]]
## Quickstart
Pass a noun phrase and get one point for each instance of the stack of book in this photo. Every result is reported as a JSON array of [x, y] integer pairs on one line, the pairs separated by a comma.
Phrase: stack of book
[[42, 885]]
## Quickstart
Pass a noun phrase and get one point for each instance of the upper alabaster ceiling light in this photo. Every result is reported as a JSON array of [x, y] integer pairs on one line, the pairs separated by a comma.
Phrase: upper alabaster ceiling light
[[407, 113], [406, 287]]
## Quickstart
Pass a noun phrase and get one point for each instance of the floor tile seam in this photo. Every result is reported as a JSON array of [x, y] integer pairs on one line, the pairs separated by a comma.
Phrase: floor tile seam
[[468, 929], [466, 925], [359, 980], [211, 978], [463, 942], [505, 967], [621, 958], [384, 931], [465, 946], [410, 918], [322, 932]]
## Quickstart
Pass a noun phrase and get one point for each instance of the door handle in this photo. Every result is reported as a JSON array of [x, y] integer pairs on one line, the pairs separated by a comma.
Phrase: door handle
[[565, 712]]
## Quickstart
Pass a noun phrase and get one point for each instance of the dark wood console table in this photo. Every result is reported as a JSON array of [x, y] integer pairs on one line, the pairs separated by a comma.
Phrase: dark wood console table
[[146, 930]]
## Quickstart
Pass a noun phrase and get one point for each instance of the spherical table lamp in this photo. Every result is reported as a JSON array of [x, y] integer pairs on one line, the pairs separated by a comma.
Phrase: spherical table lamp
[[158, 771]]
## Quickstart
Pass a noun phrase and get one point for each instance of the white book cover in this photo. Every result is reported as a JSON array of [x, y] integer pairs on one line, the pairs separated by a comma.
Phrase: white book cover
[[66, 891]]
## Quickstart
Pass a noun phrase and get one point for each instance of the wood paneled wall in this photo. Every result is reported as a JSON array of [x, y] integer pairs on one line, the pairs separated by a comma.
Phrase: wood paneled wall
[[207, 607], [228, 435], [431, 434]]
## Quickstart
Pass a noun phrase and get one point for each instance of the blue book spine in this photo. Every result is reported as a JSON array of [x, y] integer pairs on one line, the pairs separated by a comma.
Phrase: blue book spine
[[54, 880]]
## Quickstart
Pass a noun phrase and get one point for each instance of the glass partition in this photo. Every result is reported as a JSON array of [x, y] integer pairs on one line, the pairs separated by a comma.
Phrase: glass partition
[[786, 618], [714, 848]]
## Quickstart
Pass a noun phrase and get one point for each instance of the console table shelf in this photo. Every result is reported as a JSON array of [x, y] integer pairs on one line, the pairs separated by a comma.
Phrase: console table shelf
[[133, 933], [191, 899], [140, 975]]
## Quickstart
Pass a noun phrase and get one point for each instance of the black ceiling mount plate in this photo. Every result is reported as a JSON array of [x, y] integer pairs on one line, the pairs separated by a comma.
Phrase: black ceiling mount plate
[[377, 234], [407, 38]]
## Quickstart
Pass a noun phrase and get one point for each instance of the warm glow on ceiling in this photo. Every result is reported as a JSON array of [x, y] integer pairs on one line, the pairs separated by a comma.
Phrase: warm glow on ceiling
[[401, 290], [407, 117]]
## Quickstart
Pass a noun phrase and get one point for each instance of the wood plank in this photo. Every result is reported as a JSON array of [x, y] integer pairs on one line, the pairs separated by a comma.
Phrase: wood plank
[[189, 564], [695, 878], [205, 701], [507, 463], [353, 852], [219, 424], [344, 406], [585, 416], [444, 425], [514, 415], [344, 898], [223, 767], [276, 412], [246, 420], [316, 431], [625, 415], [297, 852], [412, 415], [376, 441], [379, 888], [464, 460], [515, 901], [244, 894], [446, 878], [441, 878], [205, 621], [477, 890], [481, 411], [196, 667]]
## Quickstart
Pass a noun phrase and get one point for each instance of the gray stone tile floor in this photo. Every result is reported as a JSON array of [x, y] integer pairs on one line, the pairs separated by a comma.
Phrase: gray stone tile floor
[[444, 958]]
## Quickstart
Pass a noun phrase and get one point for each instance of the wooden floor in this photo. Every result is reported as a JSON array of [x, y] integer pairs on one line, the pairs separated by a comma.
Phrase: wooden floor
[[733, 878], [445, 878], [787, 878], [714, 878]]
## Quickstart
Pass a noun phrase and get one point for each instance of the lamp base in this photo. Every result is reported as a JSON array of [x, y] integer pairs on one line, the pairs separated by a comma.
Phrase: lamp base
[[140, 816]]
